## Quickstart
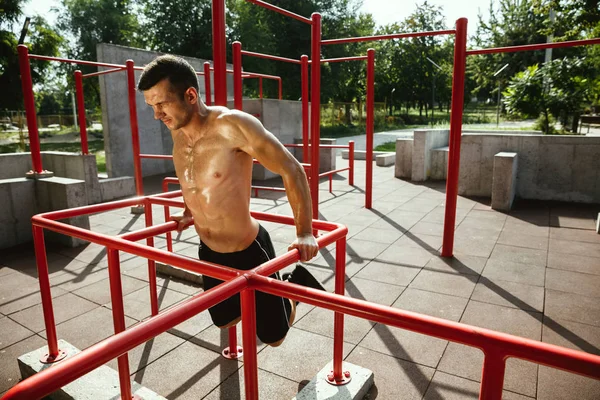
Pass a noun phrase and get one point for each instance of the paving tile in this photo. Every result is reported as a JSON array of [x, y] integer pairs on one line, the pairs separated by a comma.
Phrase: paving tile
[[270, 386], [178, 285], [450, 387], [401, 275], [320, 321], [137, 304], [572, 307], [523, 240], [188, 372], [193, 326], [556, 384], [11, 332], [438, 216], [487, 214], [445, 283], [404, 344], [576, 235], [482, 223], [496, 269], [148, 352], [458, 264], [572, 222], [509, 294], [571, 262], [428, 242], [292, 361], [365, 249], [9, 373], [80, 279], [394, 378], [477, 248], [519, 255], [21, 297], [434, 304], [420, 205], [577, 248], [327, 261], [428, 228], [386, 236], [572, 335], [400, 220], [99, 292], [573, 282], [216, 339], [406, 255], [65, 307], [526, 228], [469, 233]]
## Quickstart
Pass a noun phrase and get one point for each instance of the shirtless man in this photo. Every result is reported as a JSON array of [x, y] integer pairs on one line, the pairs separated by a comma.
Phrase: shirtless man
[[213, 148]]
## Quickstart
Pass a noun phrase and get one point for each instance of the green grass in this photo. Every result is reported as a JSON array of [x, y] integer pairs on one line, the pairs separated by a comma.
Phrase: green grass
[[387, 146]]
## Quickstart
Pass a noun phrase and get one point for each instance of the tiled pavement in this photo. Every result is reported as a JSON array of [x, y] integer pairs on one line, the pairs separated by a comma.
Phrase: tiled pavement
[[534, 272]]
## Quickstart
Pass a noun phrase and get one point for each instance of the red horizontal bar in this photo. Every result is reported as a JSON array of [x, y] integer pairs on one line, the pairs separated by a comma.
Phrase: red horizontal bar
[[280, 11], [270, 57], [537, 46], [257, 75], [81, 62], [66, 371], [305, 165], [386, 37], [168, 202], [323, 146], [512, 346], [108, 71], [157, 156], [269, 188], [335, 171], [150, 231], [342, 59]]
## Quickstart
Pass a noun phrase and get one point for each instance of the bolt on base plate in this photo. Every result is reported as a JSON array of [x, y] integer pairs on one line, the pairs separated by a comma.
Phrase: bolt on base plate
[[346, 378], [46, 359], [233, 356]]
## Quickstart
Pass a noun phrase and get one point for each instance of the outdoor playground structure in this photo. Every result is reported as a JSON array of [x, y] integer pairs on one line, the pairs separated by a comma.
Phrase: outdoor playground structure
[[497, 347]]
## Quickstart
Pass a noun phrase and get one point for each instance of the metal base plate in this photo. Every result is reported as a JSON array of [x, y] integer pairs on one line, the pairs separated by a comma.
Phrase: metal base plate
[[232, 356]]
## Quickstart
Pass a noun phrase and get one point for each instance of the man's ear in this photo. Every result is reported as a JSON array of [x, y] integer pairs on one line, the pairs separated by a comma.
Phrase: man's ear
[[191, 95]]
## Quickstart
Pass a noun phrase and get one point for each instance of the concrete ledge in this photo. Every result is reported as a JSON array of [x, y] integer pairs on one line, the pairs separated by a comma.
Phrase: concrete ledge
[[101, 383], [424, 142], [117, 188], [439, 163], [385, 160], [504, 180], [319, 389], [362, 154], [404, 150], [18, 200], [179, 273], [15, 165]]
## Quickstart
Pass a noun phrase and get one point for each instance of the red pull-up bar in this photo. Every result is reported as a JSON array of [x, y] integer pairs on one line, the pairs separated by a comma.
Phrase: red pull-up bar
[[280, 11], [386, 37]]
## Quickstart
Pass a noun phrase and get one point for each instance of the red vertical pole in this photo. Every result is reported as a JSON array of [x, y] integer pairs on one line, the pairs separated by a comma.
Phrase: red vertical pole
[[116, 299], [280, 89], [44, 279], [28, 99], [233, 347], [260, 94], [81, 111], [456, 115], [315, 110], [351, 161], [305, 138], [219, 52], [248, 299], [151, 263], [135, 134], [207, 100], [338, 327], [492, 375], [165, 188], [237, 76], [370, 126]]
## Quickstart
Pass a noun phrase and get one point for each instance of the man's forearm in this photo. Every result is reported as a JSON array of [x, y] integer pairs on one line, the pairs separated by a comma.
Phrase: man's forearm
[[298, 193]]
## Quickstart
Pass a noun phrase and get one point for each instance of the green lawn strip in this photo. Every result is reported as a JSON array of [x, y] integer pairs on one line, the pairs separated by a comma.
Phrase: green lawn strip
[[387, 146]]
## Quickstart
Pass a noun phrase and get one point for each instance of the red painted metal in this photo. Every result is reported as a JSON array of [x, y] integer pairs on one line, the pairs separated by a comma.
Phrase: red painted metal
[[370, 126], [219, 52], [165, 187], [280, 89], [315, 113], [456, 113], [260, 87], [537, 46], [386, 37], [135, 134], [72, 61], [280, 10], [270, 57], [322, 146], [107, 71], [305, 125], [343, 59], [248, 305], [157, 156], [118, 312], [233, 351], [351, 161], [29, 100], [492, 375], [207, 99], [338, 323], [81, 112], [151, 263], [237, 76]]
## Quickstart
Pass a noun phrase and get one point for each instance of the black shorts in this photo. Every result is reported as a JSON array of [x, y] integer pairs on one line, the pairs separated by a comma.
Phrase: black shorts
[[272, 312]]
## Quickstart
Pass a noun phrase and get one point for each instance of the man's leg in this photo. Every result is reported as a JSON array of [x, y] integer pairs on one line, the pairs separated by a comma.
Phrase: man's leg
[[291, 322]]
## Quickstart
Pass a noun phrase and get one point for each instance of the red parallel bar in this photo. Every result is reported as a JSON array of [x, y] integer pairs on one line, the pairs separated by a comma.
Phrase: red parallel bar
[[29, 100], [81, 112], [456, 115], [151, 263], [258, 75], [173, 180], [271, 188], [537, 46], [118, 312], [512, 346], [108, 71], [342, 59], [338, 323], [386, 37], [305, 127], [157, 156], [207, 99], [280, 89], [269, 57], [492, 376], [370, 126], [333, 172], [248, 305], [237, 76], [260, 87], [135, 134], [323, 146], [51, 379], [80, 62], [145, 233], [351, 161], [168, 202], [315, 111], [219, 52], [280, 11], [44, 280]]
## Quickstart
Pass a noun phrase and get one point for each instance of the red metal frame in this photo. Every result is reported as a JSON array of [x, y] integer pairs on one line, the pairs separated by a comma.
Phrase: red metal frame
[[280, 10], [305, 135], [387, 37], [219, 52], [370, 127], [315, 111], [207, 90], [81, 112]]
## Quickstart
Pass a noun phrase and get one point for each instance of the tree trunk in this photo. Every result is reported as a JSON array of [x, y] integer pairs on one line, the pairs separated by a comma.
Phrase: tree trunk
[[348, 107]]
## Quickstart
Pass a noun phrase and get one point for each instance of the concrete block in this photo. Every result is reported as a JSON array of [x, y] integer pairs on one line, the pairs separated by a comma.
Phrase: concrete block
[[504, 180], [404, 149], [424, 142], [18, 200], [117, 188], [15, 165], [439, 163], [327, 156], [319, 389], [362, 154], [101, 383], [385, 160], [76, 166], [179, 273]]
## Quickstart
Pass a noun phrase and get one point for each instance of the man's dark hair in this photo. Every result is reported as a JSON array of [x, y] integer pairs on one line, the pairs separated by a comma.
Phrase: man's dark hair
[[178, 71]]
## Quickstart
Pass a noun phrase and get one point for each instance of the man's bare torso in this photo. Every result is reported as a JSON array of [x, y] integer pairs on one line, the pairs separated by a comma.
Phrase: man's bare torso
[[215, 177]]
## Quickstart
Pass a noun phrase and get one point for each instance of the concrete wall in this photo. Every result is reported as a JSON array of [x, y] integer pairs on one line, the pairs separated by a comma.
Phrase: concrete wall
[[155, 138], [423, 142], [76, 166], [15, 165], [18, 200]]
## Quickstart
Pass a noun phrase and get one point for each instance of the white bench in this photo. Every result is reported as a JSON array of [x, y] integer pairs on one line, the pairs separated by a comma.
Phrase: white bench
[[385, 160]]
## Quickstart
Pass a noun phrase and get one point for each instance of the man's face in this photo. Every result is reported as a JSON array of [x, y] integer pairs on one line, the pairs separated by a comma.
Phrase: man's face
[[168, 106]]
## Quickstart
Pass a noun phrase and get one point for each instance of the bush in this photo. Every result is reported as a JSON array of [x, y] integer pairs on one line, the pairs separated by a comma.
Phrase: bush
[[540, 124]]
